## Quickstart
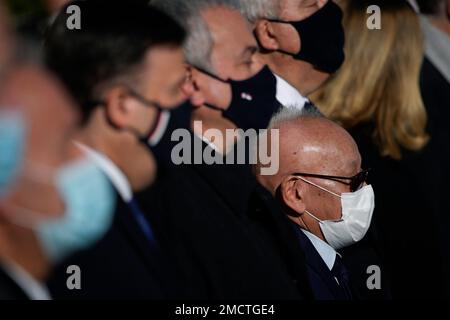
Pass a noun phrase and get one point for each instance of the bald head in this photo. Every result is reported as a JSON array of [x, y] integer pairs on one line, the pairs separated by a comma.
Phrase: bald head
[[310, 143]]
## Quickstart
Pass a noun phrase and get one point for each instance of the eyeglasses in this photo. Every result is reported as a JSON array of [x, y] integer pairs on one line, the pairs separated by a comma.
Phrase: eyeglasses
[[148, 103], [356, 182], [145, 101]]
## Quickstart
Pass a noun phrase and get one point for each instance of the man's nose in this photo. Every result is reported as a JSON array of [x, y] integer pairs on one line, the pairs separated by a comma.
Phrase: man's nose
[[187, 88], [321, 3], [197, 99]]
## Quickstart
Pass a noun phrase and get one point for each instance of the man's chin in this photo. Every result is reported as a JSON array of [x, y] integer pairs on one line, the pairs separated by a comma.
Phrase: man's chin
[[317, 80]]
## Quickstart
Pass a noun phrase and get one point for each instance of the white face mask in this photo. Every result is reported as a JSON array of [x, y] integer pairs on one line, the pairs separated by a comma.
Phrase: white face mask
[[357, 210]]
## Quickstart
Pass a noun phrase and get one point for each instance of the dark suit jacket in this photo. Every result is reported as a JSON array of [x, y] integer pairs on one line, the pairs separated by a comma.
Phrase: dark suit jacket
[[436, 96], [357, 258], [411, 216], [226, 233], [405, 218], [9, 290], [121, 266], [323, 284]]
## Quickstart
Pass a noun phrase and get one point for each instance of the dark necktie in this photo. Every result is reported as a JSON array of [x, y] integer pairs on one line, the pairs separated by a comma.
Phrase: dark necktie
[[143, 222], [340, 272]]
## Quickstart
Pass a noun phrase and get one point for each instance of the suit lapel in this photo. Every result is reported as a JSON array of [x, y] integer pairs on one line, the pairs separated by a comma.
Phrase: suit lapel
[[128, 227], [317, 265]]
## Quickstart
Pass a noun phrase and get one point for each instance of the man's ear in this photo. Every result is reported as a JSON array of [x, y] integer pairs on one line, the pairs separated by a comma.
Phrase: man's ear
[[266, 36], [292, 195], [188, 85], [194, 81], [116, 106]]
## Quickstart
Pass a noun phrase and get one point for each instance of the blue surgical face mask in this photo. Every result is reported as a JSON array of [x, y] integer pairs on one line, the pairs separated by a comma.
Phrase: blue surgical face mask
[[12, 141], [90, 203], [89, 200]]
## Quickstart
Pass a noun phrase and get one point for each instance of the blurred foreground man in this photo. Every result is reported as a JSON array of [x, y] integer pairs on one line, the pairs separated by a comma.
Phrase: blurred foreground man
[[48, 188], [125, 69]]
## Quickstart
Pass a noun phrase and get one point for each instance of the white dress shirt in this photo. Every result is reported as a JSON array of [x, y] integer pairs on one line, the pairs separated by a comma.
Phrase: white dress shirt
[[111, 170], [288, 96], [326, 251], [31, 287]]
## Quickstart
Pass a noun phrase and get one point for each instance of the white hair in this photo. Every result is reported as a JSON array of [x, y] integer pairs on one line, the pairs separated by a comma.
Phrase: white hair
[[199, 43], [293, 113], [259, 9]]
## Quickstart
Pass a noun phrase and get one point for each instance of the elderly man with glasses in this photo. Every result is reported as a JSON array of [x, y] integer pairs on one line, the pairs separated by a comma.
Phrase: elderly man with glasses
[[325, 194]]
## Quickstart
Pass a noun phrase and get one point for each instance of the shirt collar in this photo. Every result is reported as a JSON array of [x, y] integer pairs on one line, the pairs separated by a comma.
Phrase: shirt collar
[[326, 251], [31, 287], [288, 96], [112, 171]]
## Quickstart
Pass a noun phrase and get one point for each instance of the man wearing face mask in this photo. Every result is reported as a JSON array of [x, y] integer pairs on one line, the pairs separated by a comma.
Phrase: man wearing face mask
[[302, 41], [42, 206], [51, 189], [125, 68], [231, 88], [224, 230], [324, 193]]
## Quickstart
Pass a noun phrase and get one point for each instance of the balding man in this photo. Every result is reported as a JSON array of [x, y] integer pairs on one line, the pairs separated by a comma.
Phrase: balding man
[[323, 191]]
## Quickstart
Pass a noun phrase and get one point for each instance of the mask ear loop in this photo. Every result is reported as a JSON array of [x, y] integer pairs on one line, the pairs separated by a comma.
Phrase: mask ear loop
[[321, 188], [209, 74], [23, 217], [146, 137], [39, 173], [317, 186], [313, 216], [300, 219]]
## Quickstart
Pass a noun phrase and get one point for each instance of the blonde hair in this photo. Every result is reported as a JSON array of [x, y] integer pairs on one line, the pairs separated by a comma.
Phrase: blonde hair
[[379, 81]]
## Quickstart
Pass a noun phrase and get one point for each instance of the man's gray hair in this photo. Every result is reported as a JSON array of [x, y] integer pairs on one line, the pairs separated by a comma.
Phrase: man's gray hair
[[260, 9], [293, 113], [199, 43]]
